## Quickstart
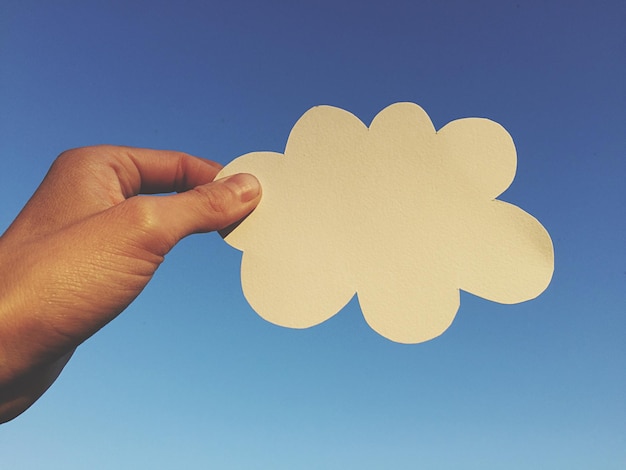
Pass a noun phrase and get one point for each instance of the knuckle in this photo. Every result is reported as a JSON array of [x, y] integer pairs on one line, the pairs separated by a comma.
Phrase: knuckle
[[80, 155], [69, 158], [74, 158], [142, 213], [145, 223]]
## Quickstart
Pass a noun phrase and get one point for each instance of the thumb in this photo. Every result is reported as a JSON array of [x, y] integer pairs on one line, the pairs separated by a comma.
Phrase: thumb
[[209, 207], [213, 206]]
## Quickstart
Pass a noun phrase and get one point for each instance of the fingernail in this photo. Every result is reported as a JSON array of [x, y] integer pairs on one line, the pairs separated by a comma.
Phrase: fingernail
[[246, 186]]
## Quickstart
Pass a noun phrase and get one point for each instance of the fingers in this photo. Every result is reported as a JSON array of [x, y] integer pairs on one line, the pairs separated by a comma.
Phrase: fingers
[[133, 171], [163, 171], [85, 181], [89, 181]]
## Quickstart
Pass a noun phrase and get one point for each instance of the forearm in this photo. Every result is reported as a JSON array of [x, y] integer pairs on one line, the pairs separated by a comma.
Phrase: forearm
[[29, 336], [27, 367], [17, 395]]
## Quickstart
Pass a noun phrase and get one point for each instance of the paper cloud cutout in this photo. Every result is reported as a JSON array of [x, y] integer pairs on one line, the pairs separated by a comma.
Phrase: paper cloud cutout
[[398, 213]]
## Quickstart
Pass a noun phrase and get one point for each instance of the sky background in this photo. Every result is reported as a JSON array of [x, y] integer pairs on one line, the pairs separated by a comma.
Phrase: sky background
[[190, 377]]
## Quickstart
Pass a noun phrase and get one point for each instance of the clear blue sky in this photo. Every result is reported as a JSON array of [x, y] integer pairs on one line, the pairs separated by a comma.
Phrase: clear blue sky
[[190, 377]]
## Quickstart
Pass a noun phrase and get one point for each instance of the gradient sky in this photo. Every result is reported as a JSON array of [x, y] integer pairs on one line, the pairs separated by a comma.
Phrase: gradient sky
[[190, 377]]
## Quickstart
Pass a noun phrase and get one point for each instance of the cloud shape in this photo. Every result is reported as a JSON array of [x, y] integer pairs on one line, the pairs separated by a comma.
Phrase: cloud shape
[[398, 213]]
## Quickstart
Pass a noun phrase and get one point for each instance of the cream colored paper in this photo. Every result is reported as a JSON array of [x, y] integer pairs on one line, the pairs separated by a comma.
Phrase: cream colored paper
[[398, 213]]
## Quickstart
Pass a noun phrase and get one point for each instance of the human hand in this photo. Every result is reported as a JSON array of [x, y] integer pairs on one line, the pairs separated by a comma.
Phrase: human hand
[[86, 245]]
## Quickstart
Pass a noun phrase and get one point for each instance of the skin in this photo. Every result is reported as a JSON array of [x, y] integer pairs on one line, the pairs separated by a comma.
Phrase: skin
[[85, 246]]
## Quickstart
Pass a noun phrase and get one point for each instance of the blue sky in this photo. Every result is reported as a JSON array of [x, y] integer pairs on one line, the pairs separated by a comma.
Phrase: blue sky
[[190, 377]]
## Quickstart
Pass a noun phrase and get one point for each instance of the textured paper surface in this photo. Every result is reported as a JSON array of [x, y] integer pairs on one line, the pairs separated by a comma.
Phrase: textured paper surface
[[400, 214]]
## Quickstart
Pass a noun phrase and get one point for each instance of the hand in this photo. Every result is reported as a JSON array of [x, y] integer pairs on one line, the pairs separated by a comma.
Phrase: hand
[[86, 245]]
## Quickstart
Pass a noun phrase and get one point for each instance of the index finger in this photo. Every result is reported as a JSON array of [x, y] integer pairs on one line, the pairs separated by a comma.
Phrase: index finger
[[148, 171]]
